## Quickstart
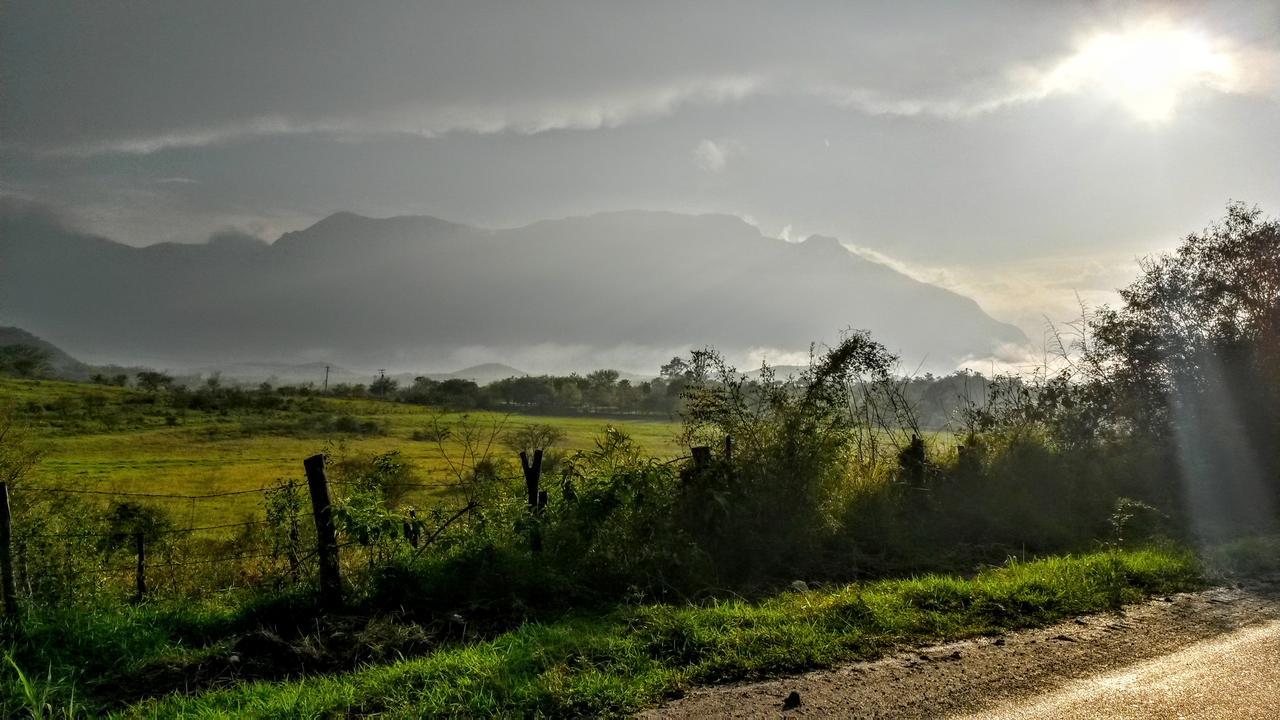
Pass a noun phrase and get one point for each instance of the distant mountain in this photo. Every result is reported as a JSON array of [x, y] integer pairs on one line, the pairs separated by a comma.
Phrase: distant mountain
[[61, 364], [412, 291], [480, 374], [279, 373]]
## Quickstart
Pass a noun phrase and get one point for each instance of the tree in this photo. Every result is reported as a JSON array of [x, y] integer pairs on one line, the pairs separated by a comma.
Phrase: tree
[[126, 520], [154, 381], [17, 456], [675, 369], [1209, 310], [24, 361], [383, 386], [795, 447], [1191, 359], [534, 436]]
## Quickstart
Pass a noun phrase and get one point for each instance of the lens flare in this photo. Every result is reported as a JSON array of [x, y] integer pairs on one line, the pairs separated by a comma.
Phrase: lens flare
[[1146, 69]]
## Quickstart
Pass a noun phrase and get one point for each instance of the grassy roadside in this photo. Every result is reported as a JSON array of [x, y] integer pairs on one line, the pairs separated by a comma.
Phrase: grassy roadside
[[612, 664]]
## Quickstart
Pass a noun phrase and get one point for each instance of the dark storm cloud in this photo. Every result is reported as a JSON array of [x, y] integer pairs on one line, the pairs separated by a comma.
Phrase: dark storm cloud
[[142, 76], [959, 138]]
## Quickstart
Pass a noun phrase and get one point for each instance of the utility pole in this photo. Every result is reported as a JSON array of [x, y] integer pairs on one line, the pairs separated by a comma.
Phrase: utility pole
[[326, 378]]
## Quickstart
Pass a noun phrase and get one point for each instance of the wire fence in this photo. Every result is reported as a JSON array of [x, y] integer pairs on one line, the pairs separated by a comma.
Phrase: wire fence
[[235, 545]]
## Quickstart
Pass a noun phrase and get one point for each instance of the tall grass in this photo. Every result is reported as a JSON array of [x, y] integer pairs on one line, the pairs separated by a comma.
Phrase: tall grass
[[612, 664]]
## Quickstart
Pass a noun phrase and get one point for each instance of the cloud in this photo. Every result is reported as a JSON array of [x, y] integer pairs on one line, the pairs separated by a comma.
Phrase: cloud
[[430, 70], [1146, 67], [429, 120], [711, 156]]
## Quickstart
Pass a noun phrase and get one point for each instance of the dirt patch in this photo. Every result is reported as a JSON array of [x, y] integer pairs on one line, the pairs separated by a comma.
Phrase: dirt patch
[[972, 675]]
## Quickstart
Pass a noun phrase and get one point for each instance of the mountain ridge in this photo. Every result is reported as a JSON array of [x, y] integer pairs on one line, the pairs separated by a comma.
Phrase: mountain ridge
[[415, 291]]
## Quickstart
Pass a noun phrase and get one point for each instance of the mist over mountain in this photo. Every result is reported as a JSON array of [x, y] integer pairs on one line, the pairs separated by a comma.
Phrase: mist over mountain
[[619, 289]]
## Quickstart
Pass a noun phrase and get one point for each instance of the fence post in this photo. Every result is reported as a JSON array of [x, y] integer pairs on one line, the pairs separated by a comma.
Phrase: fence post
[[141, 590], [6, 560], [728, 449], [537, 499], [412, 531], [701, 457], [326, 535], [532, 476]]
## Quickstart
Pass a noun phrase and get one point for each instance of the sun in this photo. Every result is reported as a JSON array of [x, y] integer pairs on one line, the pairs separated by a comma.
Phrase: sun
[[1146, 69]]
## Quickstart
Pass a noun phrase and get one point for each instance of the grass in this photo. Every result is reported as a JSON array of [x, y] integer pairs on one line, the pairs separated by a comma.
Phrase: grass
[[615, 663], [1257, 555], [210, 452]]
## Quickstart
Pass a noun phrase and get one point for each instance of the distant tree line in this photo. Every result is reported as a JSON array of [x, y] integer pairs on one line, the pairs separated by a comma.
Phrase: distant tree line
[[936, 399]]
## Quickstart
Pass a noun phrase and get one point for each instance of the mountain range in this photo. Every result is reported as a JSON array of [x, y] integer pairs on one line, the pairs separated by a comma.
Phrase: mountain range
[[416, 291]]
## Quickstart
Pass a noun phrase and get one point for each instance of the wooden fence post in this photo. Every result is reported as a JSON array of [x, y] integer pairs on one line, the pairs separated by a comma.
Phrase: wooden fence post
[[413, 531], [701, 457], [532, 476], [140, 593], [728, 449], [536, 498], [6, 560], [326, 535]]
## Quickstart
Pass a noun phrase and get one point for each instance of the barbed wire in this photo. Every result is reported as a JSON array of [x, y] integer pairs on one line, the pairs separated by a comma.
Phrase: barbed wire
[[207, 561], [124, 493], [170, 531]]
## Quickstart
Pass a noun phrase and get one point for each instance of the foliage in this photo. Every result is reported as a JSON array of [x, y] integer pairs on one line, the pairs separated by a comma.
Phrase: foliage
[[797, 450], [1152, 413], [23, 361], [153, 381], [127, 521], [18, 455], [1192, 361]]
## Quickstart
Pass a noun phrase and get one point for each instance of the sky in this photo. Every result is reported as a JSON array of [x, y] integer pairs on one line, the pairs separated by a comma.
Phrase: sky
[[1021, 153]]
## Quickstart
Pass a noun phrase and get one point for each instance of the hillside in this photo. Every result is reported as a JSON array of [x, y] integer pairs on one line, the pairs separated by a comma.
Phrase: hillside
[[60, 363], [411, 291]]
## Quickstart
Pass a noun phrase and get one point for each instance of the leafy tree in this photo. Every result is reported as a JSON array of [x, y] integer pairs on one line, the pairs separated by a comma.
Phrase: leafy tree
[[154, 381], [795, 448], [17, 455], [126, 520], [675, 369], [1215, 301], [23, 361], [534, 436], [1191, 360], [383, 386]]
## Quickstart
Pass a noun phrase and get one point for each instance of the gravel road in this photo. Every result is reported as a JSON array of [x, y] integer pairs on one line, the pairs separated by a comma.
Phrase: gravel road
[[1210, 654]]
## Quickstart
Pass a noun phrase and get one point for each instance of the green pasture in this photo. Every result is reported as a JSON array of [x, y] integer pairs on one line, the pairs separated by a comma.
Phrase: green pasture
[[206, 452]]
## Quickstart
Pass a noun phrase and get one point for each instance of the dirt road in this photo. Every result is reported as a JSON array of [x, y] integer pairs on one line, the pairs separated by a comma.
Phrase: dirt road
[[1212, 654]]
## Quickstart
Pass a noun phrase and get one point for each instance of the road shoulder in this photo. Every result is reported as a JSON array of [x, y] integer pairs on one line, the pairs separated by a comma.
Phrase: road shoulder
[[975, 675]]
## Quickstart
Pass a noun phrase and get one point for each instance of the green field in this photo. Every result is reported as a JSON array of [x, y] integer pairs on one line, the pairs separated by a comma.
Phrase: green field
[[138, 450]]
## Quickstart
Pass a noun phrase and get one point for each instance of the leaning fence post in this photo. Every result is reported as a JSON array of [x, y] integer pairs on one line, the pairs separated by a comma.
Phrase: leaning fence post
[[326, 535], [6, 560], [140, 592]]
